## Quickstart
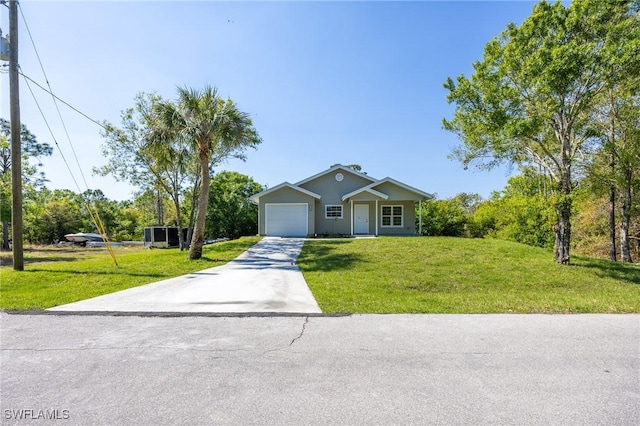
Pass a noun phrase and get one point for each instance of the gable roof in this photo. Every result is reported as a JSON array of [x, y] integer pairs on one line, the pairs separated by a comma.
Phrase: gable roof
[[333, 169], [256, 197], [394, 182], [365, 189], [370, 188]]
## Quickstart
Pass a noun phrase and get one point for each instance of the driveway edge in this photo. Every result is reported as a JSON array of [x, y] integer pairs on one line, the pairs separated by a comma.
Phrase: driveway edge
[[172, 314]]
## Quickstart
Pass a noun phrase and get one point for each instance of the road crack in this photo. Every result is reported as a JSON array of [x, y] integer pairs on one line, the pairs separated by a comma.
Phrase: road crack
[[304, 327]]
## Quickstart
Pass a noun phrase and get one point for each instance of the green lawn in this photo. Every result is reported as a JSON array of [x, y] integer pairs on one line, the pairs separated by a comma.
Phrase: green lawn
[[456, 275], [54, 276], [381, 275]]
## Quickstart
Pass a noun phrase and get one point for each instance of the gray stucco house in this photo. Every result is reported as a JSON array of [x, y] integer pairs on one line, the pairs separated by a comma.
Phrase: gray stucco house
[[339, 200]]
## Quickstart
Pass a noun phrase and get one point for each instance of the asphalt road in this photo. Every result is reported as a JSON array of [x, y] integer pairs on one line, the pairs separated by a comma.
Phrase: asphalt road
[[369, 369]]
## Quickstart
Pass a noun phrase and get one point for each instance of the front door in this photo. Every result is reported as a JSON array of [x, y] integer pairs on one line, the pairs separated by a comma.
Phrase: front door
[[362, 218]]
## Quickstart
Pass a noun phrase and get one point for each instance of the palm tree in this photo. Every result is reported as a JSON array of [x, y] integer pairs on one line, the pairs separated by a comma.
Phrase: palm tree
[[215, 128]]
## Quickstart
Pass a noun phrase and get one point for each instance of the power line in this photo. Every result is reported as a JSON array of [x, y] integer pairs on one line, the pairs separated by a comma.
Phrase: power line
[[26, 77], [95, 216], [46, 122], [91, 207], [44, 73]]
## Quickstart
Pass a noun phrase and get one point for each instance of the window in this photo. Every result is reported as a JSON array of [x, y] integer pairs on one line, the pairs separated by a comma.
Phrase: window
[[332, 212], [392, 216]]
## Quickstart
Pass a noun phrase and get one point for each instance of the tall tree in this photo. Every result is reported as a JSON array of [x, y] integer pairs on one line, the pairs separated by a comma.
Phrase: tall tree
[[628, 152], [31, 175], [147, 203], [231, 214], [215, 128], [623, 147], [529, 99], [615, 167], [175, 163], [167, 165], [49, 215]]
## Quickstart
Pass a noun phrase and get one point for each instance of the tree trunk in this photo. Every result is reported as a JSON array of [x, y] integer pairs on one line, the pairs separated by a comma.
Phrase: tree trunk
[[563, 227], [195, 251], [192, 213], [176, 203], [625, 223], [5, 235], [159, 208], [613, 255], [563, 235], [175, 196]]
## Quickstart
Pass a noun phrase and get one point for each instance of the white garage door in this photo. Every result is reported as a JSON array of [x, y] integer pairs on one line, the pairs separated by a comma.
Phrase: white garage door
[[286, 220]]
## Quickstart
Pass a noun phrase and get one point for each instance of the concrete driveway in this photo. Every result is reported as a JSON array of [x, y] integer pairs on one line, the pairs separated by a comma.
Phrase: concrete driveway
[[262, 279]]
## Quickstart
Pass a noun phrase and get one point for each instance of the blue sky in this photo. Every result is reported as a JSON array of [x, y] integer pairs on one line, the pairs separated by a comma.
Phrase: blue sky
[[325, 82]]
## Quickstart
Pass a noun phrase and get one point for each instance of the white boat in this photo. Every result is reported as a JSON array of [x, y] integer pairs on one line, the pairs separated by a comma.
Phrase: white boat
[[82, 239]]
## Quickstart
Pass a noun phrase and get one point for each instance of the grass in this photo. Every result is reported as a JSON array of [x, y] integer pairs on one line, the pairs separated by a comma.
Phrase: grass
[[381, 275], [455, 275], [55, 276]]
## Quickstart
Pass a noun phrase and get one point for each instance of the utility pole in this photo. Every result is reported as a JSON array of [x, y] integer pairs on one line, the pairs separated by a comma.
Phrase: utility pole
[[16, 140]]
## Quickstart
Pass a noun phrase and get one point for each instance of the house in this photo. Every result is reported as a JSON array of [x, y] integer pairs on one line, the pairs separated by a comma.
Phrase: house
[[339, 200]]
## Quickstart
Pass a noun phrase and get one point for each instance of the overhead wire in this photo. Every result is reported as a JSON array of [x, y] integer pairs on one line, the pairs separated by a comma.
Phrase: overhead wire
[[53, 136], [90, 206], [92, 210], [63, 101], [44, 89], [44, 73]]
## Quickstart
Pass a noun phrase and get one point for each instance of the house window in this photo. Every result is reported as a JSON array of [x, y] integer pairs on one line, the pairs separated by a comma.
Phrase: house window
[[332, 211], [392, 216]]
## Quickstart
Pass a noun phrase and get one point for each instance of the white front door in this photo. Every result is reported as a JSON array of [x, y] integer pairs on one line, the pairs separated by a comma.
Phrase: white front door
[[362, 218]]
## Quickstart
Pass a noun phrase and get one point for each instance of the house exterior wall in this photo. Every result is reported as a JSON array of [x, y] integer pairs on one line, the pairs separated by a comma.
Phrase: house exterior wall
[[286, 195], [408, 218], [365, 196], [332, 191], [396, 192], [332, 226]]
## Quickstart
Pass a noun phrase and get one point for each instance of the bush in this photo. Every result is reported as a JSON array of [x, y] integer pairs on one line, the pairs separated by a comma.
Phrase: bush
[[443, 218]]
